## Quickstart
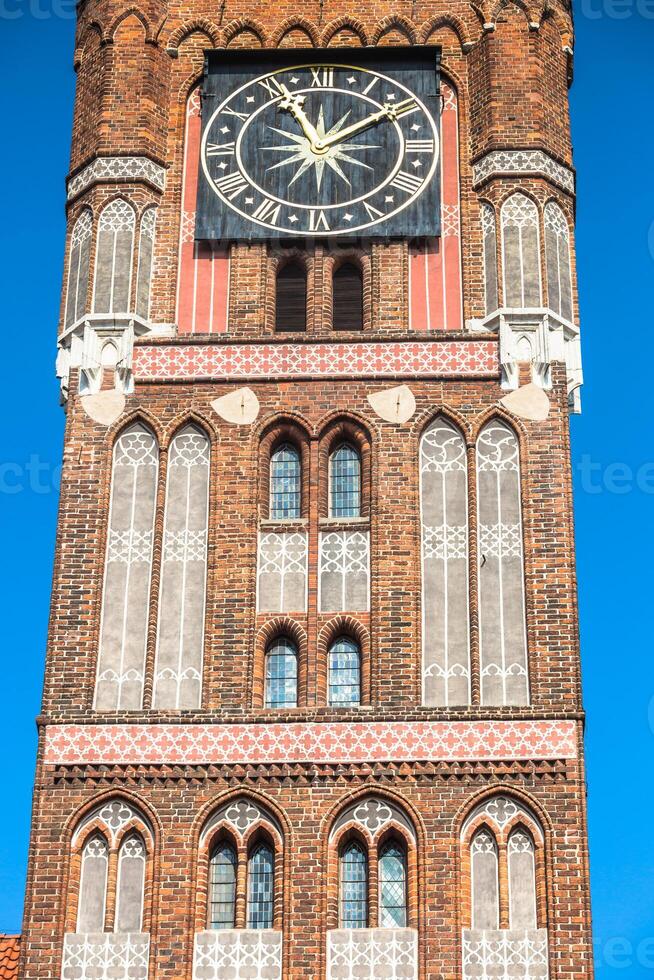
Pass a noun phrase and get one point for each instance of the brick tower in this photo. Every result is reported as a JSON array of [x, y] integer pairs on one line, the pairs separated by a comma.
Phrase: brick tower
[[312, 700]]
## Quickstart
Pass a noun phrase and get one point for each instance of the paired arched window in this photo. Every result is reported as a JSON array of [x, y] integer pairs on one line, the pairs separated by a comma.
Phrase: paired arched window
[[344, 673], [347, 297], [557, 255], [260, 887], [78, 268], [285, 483], [345, 482], [281, 674], [354, 886], [291, 298], [114, 258], [521, 252]]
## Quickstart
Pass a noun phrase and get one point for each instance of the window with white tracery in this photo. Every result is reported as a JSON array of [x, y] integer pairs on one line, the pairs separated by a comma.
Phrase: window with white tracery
[[146, 255], [128, 567], [557, 254], [114, 258], [484, 881], [521, 252], [522, 880], [130, 884], [444, 530], [503, 640], [93, 886], [489, 236], [180, 640], [78, 268]]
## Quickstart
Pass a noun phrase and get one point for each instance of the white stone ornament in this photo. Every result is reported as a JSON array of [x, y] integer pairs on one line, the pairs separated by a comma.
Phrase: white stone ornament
[[396, 404], [105, 407], [528, 402], [240, 407]]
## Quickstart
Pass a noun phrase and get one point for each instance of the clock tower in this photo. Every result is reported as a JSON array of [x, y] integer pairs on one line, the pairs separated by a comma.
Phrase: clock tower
[[312, 702]]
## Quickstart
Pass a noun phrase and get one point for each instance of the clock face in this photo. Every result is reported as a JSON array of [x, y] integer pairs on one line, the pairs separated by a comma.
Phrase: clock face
[[320, 150]]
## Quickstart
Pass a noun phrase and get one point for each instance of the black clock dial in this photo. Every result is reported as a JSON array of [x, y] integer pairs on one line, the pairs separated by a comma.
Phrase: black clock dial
[[320, 149]]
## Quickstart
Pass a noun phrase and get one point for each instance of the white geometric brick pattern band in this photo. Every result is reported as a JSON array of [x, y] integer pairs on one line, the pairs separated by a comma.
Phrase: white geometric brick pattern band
[[429, 741], [117, 169], [166, 362], [523, 163]]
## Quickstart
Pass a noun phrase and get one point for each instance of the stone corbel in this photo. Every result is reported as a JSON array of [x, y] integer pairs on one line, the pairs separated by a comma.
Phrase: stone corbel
[[538, 337]]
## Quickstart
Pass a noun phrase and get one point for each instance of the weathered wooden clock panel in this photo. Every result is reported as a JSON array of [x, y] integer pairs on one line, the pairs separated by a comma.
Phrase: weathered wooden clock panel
[[346, 143]]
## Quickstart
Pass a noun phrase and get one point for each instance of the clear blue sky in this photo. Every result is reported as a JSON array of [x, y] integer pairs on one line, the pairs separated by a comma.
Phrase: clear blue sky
[[613, 441]]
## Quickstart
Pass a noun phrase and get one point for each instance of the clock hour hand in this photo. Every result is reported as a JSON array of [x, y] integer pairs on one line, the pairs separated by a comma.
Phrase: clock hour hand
[[388, 111], [293, 104]]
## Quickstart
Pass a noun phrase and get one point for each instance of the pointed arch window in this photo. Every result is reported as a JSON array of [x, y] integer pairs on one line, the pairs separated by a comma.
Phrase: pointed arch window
[[146, 255], [291, 298], [93, 886], [78, 268], [128, 568], [281, 674], [114, 258], [521, 252], [222, 887], [130, 885], [503, 638], [345, 482], [347, 297], [484, 875], [392, 886], [557, 254], [522, 881], [261, 887], [489, 235], [180, 635], [344, 673], [285, 483], [353, 887]]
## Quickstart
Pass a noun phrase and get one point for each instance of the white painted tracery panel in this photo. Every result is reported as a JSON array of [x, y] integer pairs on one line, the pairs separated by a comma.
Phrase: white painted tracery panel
[[113, 260], [522, 881], [503, 640], [130, 885], [78, 268], [344, 576], [557, 254], [180, 637], [503, 954], [146, 254], [444, 527], [105, 956], [484, 878], [521, 253], [489, 235], [282, 571], [128, 567], [372, 954], [241, 954], [93, 885]]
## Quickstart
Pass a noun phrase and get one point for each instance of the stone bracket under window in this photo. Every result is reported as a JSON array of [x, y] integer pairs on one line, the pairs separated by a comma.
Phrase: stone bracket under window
[[237, 953], [106, 956], [98, 341], [537, 337], [497, 953], [370, 954]]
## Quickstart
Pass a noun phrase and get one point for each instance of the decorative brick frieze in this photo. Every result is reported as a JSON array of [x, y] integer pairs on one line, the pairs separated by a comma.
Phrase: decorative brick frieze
[[418, 359], [347, 742], [523, 163], [112, 170]]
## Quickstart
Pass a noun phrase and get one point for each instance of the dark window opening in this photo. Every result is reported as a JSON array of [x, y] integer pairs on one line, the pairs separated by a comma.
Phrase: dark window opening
[[291, 299], [347, 291]]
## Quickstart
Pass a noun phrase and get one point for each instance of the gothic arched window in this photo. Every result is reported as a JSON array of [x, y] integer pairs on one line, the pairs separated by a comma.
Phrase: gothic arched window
[[261, 887], [222, 887], [128, 567], [347, 297], [557, 254], [489, 233], [522, 880], [484, 877], [180, 639], [444, 528], [345, 482], [130, 885], [113, 259], [392, 886], [78, 268], [285, 483], [503, 640], [281, 674], [344, 672], [521, 252], [353, 887], [291, 298], [146, 253], [93, 885]]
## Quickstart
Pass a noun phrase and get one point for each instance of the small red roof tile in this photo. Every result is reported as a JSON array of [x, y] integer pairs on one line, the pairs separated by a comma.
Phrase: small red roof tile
[[9, 951]]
